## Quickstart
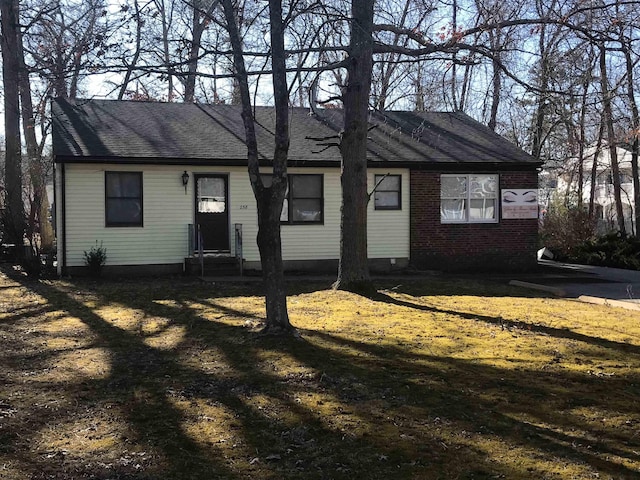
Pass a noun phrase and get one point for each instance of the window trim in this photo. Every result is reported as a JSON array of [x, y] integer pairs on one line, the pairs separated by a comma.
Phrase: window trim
[[468, 219], [111, 224], [398, 191], [289, 198]]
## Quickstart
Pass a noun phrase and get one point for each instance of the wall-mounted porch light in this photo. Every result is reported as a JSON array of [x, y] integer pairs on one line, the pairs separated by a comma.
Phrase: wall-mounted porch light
[[185, 181]]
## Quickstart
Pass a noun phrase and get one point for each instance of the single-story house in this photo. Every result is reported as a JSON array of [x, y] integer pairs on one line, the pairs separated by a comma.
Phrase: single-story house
[[158, 184]]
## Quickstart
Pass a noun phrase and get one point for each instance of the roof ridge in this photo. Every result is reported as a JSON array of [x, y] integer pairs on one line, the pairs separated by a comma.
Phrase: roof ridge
[[108, 128]]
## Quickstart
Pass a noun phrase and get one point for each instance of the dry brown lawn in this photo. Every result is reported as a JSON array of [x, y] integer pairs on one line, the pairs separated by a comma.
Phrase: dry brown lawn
[[429, 379]]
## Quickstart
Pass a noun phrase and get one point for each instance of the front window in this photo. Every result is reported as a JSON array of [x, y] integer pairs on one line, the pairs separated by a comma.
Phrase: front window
[[304, 201], [123, 199], [387, 194], [469, 198]]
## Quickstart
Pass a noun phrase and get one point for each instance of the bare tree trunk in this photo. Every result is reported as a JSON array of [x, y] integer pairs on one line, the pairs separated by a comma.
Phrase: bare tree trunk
[[496, 81], [594, 168], [192, 66], [419, 90], [277, 314], [136, 55], [541, 111], [14, 214], [194, 52], [60, 67], [495, 96], [80, 51], [353, 271], [547, 46], [566, 118], [37, 170], [466, 85], [611, 139], [581, 141], [269, 199], [635, 128], [165, 47], [454, 72], [236, 93]]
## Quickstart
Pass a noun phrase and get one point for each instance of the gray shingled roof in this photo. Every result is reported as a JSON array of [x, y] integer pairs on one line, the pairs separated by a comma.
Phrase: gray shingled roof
[[110, 130]]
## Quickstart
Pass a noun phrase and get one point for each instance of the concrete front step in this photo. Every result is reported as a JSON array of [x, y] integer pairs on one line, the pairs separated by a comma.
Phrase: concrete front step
[[214, 265]]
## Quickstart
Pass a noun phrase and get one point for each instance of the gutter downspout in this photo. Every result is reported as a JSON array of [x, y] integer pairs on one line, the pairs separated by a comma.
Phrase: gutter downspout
[[54, 210], [63, 219]]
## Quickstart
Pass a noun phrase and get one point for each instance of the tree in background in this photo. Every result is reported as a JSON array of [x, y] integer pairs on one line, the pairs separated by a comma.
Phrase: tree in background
[[522, 67], [13, 218], [39, 229], [66, 42], [626, 40]]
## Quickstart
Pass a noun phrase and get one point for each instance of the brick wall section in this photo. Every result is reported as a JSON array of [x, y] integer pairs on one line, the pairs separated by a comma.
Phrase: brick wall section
[[509, 245]]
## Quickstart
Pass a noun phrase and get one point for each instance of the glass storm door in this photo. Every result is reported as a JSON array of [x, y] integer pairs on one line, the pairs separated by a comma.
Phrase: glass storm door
[[212, 213]]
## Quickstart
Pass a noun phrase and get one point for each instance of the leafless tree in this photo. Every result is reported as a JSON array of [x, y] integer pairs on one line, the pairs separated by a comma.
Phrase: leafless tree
[[14, 210], [67, 42], [269, 198], [38, 224], [625, 38], [353, 271], [611, 137]]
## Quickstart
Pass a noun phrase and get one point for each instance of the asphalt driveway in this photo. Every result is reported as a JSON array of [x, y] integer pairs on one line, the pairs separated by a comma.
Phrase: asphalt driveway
[[586, 282]]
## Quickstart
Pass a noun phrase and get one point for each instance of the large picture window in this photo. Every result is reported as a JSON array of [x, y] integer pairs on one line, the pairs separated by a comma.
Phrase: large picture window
[[387, 194], [123, 199], [469, 198], [304, 201]]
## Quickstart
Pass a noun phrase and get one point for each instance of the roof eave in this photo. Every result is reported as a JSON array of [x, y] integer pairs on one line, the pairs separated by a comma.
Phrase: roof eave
[[241, 162]]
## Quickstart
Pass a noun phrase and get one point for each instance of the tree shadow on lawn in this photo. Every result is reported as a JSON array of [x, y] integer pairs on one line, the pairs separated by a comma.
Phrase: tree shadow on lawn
[[499, 391], [558, 391], [140, 385], [377, 405], [512, 324]]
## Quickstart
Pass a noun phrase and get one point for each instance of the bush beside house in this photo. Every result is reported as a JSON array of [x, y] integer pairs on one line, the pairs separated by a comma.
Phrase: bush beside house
[[570, 234]]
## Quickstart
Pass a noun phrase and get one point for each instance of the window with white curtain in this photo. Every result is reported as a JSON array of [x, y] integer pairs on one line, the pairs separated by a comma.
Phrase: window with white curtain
[[471, 198]]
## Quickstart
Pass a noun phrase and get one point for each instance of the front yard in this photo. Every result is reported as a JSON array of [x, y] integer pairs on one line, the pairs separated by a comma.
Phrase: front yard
[[449, 379]]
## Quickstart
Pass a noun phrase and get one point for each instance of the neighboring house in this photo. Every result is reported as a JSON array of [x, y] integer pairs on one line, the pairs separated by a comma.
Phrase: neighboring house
[[140, 177], [604, 201]]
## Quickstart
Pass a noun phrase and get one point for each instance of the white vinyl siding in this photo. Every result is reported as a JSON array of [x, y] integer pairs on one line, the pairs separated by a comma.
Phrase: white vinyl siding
[[388, 230], [168, 211], [313, 241]]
